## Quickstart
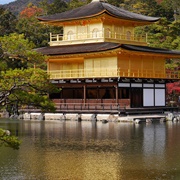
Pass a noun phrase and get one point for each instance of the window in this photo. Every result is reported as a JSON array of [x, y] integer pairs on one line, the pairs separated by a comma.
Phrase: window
[[92, 93], [76, 93], [70, 35], [95, 33], [128, 35], [107, 93], [108, 33], [123, 93]]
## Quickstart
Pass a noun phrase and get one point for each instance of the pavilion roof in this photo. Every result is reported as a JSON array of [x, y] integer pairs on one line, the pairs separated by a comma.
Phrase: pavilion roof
[[101, 47], [78, 48], [94, 9]]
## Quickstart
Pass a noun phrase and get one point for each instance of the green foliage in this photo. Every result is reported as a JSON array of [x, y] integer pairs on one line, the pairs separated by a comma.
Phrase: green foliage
[[30, 87], [17, 6], [163, 34], [172, 64], [57, 6], [17, 52], [20, 84], [33, 30], [7, 140], [75, 3], [117, 3], [173, 5], [148, 7], [7, 22], [16, 44]]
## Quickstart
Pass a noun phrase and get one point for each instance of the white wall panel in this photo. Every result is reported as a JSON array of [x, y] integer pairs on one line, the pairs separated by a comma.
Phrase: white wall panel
[[148, 85], [159, 97], [123, 84], [136, 85], [160, 85], [148, 97]]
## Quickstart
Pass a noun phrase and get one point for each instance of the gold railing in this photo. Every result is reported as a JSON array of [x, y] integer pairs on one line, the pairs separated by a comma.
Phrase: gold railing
[[112, 72], [97, 35]]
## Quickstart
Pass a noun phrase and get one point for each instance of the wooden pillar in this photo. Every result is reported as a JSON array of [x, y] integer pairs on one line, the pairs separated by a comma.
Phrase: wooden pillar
[[98, 92], [116, 87], [84, 87]]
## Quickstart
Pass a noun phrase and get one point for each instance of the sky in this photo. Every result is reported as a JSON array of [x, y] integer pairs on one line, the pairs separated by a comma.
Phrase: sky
[[6, 1]]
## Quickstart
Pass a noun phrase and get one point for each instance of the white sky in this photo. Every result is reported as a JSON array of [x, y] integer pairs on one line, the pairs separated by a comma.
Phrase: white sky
[[6, 1]]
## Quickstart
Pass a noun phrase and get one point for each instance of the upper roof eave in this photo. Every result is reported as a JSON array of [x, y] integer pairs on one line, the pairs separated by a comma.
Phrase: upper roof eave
[[94, 9], [95, 16], [70, 19]]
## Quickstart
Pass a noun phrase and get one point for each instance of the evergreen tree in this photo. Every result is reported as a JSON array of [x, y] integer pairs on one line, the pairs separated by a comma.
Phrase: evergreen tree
[[7, 22]]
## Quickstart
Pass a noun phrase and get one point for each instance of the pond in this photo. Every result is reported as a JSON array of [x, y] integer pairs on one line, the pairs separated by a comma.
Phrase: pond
[[71, 150]]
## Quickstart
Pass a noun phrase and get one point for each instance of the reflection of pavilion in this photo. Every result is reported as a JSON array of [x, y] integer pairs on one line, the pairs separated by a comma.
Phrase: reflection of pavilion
[[154, 141], [72, 150]]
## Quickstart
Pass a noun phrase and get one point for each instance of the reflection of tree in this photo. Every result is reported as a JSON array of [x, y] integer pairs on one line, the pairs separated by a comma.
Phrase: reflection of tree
[[7, 140]]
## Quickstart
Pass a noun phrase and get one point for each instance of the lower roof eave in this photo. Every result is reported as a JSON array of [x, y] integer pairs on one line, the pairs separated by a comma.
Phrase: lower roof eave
[[105, 47]]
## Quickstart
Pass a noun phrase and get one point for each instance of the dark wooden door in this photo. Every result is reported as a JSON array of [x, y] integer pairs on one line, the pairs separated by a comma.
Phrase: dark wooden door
[[136, 97]]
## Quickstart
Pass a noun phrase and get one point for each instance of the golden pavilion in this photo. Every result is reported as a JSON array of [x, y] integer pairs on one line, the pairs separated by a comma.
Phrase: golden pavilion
[[100, 62]]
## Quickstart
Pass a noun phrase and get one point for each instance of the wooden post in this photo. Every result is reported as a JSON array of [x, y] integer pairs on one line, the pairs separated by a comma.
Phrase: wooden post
[[84, 94], [116, 87]]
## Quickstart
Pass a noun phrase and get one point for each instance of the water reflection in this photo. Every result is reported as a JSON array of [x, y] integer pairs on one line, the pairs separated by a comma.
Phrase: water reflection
[[154, 140], [87, 150]]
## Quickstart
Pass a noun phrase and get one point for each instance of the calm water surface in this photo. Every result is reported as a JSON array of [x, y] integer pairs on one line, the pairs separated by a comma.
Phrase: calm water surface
[[53, 150]]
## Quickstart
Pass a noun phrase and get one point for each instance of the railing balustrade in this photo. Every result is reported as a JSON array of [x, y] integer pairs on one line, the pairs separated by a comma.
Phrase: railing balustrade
[[112, 72], [99, 34], [89, 106]]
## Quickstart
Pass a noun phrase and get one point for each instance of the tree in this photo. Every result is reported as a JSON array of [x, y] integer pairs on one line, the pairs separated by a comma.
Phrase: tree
[[30, 11], [32, 29], [20, 82], [7, 22], [57, 6], [17, 52], [116, 3], [163, 34], [145, 7], [75, 3], [7, 140], [174, 5], [25, 87], [173, 87], [173, 93]]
